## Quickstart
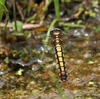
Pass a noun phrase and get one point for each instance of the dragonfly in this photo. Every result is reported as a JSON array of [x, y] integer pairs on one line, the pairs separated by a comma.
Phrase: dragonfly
[[61, 43]]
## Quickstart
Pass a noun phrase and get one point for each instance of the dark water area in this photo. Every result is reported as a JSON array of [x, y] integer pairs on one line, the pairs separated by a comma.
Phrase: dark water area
[[31, 80], [26, 60]]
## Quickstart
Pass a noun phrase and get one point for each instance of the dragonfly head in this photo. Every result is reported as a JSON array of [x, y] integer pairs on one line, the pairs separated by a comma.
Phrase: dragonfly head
[[55, 32]]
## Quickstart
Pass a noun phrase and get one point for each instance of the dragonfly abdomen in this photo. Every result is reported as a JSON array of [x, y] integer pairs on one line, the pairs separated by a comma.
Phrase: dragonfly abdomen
[[57, 43], [61, 62]]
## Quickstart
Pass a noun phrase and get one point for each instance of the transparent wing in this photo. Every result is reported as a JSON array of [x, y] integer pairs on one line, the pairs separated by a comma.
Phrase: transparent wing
[[80, 39], [30, 52], [79, 44]]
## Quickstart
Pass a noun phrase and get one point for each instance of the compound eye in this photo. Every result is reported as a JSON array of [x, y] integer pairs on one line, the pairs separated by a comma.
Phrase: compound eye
[[55, 29]]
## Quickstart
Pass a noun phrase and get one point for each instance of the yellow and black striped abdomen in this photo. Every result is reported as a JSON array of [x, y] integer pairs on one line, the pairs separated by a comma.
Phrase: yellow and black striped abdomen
[[61, 62], [56, 40]]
